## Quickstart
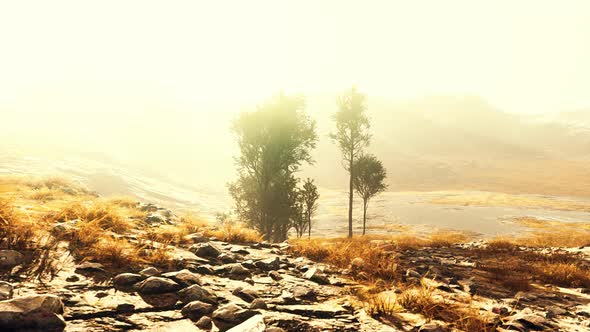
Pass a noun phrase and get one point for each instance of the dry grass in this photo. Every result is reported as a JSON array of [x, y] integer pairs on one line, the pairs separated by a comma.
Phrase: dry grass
[[234, 233], [379, 263], [124, 201], [107, 215], [16, 231], [175, 234]]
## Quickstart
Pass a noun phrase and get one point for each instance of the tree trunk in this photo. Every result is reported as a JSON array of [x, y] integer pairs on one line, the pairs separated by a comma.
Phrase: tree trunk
[[350, 195], [309, 225], [364, 215]]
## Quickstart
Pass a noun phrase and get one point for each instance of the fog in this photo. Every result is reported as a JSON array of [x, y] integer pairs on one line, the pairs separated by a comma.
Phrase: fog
[[154, 86]]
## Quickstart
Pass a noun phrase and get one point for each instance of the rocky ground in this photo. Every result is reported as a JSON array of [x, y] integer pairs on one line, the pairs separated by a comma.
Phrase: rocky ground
[[213, 285]]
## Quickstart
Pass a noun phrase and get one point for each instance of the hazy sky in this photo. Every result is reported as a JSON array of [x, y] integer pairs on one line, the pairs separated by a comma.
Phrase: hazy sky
[[121, 56]]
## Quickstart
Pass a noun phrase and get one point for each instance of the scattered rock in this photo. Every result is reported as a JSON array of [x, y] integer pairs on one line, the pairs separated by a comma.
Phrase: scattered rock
[[196, 238], [10, 259], [90, 267], [196, 309], [253, 324], [196, 293], [239, 272], [184, 278], [205, 323], [247, 295], [157, 285], [127, 281], [275, 275], [269, 264], [34, 311], [315, 275], [205, 250], [6, 290], [431, 327], [149, 271], [231, 315], [258, 304], [125, 307]]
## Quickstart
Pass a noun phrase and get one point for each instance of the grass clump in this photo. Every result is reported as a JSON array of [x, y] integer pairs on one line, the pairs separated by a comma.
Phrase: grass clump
[[16, 231], [234, 233]]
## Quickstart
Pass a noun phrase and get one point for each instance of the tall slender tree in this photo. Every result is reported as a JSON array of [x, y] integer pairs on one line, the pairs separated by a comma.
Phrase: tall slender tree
[[351, 136], [309, 195], [368, 180], [274, 141]]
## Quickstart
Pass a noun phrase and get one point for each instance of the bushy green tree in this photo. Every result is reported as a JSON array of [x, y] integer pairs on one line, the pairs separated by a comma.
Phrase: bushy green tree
[[274, 141], [351, 136], [369, 180]]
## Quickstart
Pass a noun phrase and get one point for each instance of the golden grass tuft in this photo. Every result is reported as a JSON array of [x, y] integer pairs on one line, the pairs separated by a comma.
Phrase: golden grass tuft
[[379, 261], [107, 215], [234, 233], [16, 231], [124, 201], [175, 234]]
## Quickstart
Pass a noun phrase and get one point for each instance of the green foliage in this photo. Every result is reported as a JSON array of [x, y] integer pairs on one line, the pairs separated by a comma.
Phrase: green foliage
[[369, 180], [351, 136], [306, 207], [274, 141]]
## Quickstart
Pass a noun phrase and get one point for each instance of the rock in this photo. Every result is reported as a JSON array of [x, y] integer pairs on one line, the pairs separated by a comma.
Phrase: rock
[[238, 272], [231, 315], [125, 307], [157, 285], [90, 267], [274, 329], [225, 258], [314, 275], [73, 278], [148, 207], [554, 311], [204, 269], [183, 277], [35, 311], [196, 293], [196, 309], [239, 251], [10, 259], [6, 290], [275, 275], [530, 321], [155, 218], [247, 295], [258, 304], [413, 274], [269, 264], [304, 293], [357, 264], [253, 324], [205, 323], [205, 250], [431, 327], [149, 271], [183, 325], [127, 281], [196, 238]]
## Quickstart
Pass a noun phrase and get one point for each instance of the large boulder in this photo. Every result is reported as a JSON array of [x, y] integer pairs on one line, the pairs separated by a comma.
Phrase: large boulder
[[196, 293], [231, 315], [42, 312], [10, 259], [238, 272]]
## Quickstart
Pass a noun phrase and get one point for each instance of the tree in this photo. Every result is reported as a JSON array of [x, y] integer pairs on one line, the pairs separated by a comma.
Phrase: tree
[[274, 141], [368, 180], [299, 219], [309, 196], [351, 136]]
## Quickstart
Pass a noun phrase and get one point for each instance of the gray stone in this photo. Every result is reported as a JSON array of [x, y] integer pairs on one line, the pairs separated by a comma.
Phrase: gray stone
[[90, 267], [196, 309], [431, 327], [204, 323], [275, 275], [238, 272], [258, 304], [127, 281], [149, 271], [6, 290], [315, 275], [10, 259], [183, 277], [247, 295], [35, 311], [157, 285], [196, 238], [269, 264], [253, 324], [196, 293], [205, 250], [231, 315]]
